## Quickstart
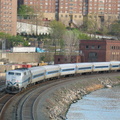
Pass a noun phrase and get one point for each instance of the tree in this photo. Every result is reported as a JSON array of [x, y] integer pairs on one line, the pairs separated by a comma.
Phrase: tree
[[3, 38], [92, 24], [71, 41], [115, 29], [57, 30], [13, 40], [25, 11], [83, 36], [4, 35]]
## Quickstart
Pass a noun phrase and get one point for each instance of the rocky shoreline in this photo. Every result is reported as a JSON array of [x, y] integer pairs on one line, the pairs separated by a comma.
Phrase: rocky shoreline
[[59, 101]]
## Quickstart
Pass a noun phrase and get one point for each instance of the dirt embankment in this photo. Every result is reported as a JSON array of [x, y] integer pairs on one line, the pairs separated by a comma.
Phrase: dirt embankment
[[58, 103]]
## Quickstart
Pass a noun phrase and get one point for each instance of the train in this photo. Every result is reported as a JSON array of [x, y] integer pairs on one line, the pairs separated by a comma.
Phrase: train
[[19, 79]]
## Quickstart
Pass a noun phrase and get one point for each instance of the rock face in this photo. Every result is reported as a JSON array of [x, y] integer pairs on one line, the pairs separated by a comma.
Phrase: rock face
[[57, 105]]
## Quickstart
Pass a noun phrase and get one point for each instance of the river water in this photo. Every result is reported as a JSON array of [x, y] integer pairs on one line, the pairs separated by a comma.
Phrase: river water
[[102, 104]]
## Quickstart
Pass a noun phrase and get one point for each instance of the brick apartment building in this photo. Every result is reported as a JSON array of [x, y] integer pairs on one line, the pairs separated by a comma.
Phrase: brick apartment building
[[8, 16], [74, 11], [99, 50]]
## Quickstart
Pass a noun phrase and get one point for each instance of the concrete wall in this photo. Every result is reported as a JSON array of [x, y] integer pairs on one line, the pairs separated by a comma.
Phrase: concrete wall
[[18, 58], [23, 57], [26, 57]]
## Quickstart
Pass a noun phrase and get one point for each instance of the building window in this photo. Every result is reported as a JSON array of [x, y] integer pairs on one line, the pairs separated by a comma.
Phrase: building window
[[75, 16], [87, 47], [93, 47], [92, 54], [92, 57], [58, 59], [113, 47], [99, 46]]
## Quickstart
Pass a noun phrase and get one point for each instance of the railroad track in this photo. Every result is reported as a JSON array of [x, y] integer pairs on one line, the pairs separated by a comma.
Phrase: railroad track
[[4, 102], [25, 111], [25, 103], [2, 94]]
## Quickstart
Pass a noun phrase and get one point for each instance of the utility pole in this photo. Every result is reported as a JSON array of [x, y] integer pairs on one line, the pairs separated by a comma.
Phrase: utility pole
[[0, 16], [3, 45], [36, 24]]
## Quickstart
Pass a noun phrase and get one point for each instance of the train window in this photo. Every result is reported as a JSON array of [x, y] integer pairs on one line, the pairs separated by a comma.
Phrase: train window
[[38, 75], [18, 74], [69, 69], [53, 72], [10, 73]]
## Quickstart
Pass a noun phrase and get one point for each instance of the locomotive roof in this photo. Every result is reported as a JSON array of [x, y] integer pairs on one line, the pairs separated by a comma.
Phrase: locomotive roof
[[18, 69], [21, 69], [36, 68]]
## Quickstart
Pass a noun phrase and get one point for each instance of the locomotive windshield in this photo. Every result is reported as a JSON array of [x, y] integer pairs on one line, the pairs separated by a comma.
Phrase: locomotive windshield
[[18, 74], [12, 73]]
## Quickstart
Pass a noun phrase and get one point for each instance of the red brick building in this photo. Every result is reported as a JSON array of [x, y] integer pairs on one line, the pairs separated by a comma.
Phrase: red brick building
[[62, 59], [99, 50]]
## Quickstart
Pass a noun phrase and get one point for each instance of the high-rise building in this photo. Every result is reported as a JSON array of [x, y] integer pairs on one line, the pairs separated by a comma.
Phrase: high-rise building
[[8, 16], [74, 11], [42, 6], [62, 10]]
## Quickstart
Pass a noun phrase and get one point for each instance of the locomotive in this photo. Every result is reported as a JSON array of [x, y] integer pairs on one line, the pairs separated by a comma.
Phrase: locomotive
[[19, 79]]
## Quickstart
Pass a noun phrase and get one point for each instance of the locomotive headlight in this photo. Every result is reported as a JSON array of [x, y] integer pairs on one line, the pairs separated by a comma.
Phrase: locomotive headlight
[[8, 84]]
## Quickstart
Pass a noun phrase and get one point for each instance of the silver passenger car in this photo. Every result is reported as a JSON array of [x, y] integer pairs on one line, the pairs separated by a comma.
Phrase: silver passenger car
[[84, 67], [115, 65], [51, 71], [38, 74], [101, 66], [67, 69]]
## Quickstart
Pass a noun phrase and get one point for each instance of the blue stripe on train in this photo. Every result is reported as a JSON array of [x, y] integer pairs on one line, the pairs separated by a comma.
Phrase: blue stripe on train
[[84, 68], [101, 66], [69, 69], [38, 75], [52, 72], [115, 66]]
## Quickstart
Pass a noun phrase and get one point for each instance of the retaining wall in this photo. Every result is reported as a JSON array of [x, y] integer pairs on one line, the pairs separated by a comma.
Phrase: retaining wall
[[25, 57]]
